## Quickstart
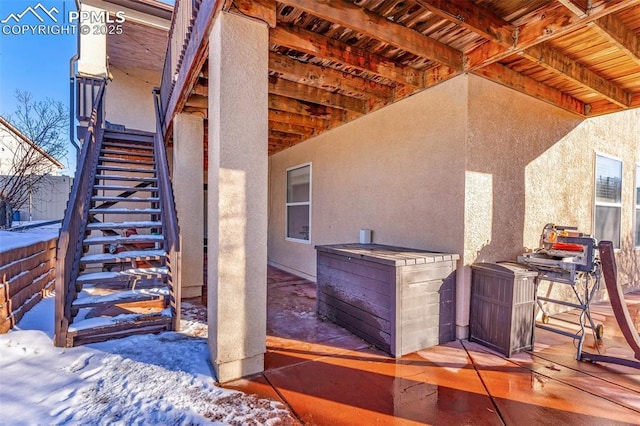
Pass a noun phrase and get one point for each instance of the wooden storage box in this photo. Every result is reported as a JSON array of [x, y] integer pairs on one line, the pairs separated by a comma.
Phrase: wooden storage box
[[399, 299]]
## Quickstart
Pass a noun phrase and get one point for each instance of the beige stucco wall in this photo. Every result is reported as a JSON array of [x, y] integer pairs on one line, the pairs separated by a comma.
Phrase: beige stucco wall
[[469, 167], [129, 100], [92, 47], [398, 171], [542, 162]]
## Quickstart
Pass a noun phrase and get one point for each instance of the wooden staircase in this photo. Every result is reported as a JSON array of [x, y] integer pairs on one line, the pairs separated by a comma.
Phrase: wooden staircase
[[118, 236]]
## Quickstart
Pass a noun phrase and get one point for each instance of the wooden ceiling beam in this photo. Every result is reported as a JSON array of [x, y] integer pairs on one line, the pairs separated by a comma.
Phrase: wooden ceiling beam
[[291, 128], [278, 86], [327, 78], [285, 137], [263, 10], [545, 23], [202, 87], [474, 18], [619, 34], [298, 119], [554, 19], [600, 108], [554, 60], [577, 7], [510, 78], [283, 103], [361, 60], [277, 145], [197, 101], [351, 16]]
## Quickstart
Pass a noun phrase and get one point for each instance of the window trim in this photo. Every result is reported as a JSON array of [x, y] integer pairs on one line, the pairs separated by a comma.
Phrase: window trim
[[597, 203], [299, 203]]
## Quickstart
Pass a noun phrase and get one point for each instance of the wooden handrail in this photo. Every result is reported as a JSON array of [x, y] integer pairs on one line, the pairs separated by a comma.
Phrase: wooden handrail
[[165, 191], [168, 215], [76, 216]]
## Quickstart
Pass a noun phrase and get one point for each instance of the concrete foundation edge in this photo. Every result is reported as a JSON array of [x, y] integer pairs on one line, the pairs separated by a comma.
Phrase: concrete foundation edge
[[227, 371]]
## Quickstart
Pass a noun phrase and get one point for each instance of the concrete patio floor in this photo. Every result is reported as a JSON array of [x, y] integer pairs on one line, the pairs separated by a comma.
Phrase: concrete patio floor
[[328, 376]]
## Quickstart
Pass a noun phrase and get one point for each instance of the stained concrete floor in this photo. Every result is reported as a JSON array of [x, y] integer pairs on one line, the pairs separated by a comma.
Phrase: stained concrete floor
[[328, 376]]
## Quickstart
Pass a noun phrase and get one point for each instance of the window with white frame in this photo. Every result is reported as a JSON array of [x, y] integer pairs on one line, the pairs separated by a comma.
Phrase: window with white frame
[[608, 199], [298, 209], [637, 222]]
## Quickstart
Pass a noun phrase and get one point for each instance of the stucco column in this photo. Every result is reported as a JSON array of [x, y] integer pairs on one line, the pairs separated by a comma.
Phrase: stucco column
[[188, 180], [92, 47], [237, 195]]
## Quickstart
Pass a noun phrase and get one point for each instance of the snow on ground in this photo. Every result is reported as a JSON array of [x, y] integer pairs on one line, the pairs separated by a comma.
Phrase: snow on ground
[[162, 379], [10, 240]]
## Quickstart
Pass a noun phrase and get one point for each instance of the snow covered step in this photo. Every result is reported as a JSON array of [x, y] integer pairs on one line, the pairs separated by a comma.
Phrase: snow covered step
[[125, 145], [126, 161], [118, 239], [134, 137], [126, 178], [127, 169], [124, 211], [125, 256], [146, 152], [125, 225], [125, 188], [93, 323], [126, 275], [122, 297], [99, 329], [103, 198]]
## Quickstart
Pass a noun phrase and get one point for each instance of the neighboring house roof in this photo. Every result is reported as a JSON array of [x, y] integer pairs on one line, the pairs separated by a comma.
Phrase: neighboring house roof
[[20, 136]]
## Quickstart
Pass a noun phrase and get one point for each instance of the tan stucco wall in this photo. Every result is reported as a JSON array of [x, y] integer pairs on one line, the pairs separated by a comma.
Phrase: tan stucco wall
[[469, 167], [129, 100], [542, 163], [398, 171], [92, 47], [237, 196]]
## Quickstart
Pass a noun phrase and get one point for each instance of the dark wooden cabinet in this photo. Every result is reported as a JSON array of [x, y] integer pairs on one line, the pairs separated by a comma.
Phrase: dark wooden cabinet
[[399, 299]]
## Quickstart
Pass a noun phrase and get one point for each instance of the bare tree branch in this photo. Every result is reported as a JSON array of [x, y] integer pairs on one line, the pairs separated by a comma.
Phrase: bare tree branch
[[46, 124]]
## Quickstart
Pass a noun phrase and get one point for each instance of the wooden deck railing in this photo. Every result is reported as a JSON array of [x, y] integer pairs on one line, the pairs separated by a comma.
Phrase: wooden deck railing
[[86, 90], [76, 216], [168, 214], [186, 53], [183, 17]]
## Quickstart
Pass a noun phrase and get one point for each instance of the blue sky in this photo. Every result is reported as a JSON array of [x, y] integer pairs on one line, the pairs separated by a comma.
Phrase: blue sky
[[36, 63]]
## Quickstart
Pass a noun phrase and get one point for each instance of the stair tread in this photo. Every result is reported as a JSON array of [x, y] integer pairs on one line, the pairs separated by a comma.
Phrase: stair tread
[[125, 161], [124, 256], [134, 199], [126, 169], [128, 178], [121, 239], [119, 321], [125, 188], [125, 225], [110, 133], [125, 152], [127, 273], [127, 145], [118, 297], [124, 211]]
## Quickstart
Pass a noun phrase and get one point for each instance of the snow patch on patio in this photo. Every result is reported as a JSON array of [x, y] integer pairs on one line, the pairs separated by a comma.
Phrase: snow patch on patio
[[146, 379]]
